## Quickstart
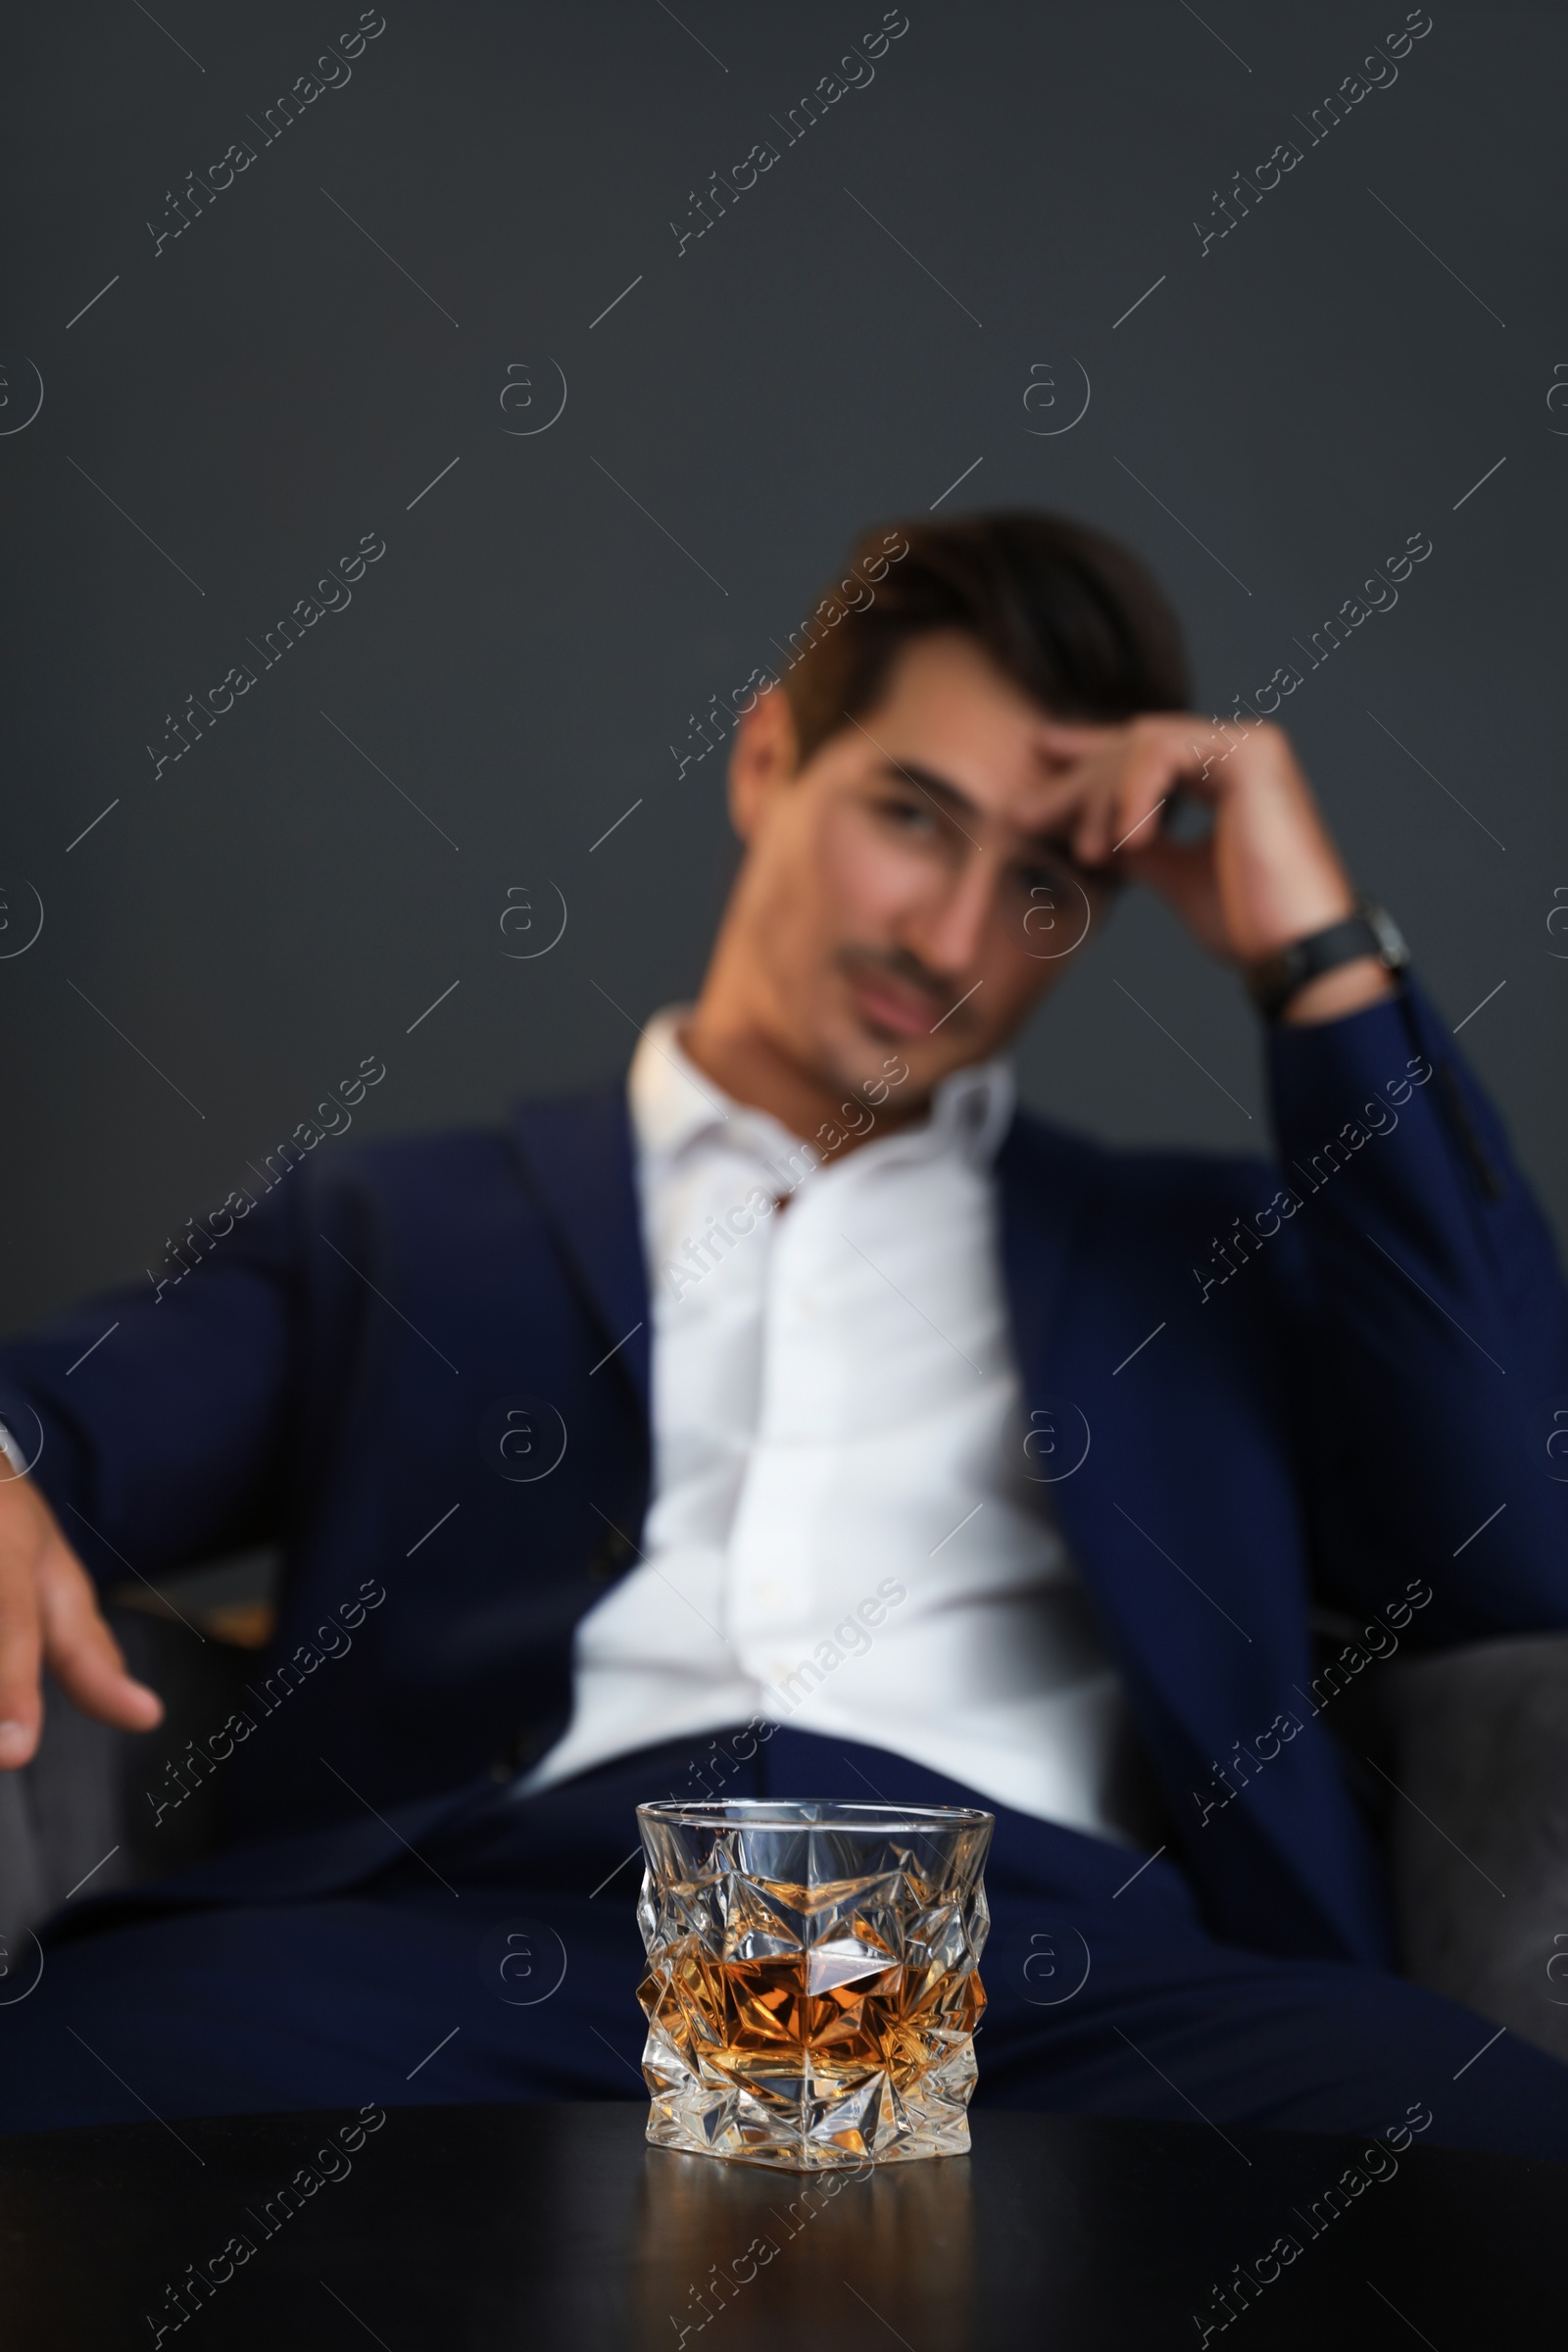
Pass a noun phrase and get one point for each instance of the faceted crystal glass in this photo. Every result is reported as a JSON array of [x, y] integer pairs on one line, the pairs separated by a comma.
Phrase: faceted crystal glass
[[813, 1990]]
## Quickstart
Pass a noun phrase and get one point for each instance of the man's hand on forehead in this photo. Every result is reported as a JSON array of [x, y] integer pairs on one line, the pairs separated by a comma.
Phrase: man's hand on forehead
[[1267, 871], [1099, 780]]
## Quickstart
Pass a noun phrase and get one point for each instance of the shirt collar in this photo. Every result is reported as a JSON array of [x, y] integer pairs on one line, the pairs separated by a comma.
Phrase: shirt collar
[[673, 1103]]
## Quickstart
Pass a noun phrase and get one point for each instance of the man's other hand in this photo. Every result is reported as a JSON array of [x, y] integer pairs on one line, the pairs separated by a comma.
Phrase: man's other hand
[[1266, 874], [49, 1615]]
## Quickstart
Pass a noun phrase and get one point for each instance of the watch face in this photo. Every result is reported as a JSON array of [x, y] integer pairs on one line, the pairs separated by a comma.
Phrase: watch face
[[1390, 938]]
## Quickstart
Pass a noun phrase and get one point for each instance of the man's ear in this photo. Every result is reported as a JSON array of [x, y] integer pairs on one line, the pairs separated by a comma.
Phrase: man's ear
[[762, 758]]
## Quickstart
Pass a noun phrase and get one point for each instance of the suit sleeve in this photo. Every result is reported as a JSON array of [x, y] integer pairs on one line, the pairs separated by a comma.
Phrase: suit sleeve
[[1431, 1286], [155, 1421]]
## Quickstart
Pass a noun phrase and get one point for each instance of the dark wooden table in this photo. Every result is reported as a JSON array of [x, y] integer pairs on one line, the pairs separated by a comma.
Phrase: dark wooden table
[[533, 2228]]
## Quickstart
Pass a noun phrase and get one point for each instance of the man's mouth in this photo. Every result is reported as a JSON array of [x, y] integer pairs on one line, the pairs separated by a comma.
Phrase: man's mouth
[[896, 1007]]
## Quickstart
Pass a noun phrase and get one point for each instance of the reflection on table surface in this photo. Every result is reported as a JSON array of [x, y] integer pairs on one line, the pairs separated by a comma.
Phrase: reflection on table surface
[[713, 2237]]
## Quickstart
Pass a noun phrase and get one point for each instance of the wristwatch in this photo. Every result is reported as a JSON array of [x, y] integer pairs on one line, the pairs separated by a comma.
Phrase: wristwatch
[[1273, 980]]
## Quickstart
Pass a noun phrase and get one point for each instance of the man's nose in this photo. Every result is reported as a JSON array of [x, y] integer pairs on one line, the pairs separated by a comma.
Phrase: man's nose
[[949, 932]]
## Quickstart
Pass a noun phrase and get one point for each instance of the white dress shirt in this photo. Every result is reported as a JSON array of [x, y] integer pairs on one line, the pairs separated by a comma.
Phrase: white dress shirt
[[842, 1534]]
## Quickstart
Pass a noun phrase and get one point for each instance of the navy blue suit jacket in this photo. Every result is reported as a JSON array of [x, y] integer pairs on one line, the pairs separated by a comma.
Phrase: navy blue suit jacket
[[1330, 1420]]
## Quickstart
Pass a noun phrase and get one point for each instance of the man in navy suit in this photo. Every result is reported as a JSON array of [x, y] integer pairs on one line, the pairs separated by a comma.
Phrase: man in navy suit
[[800, 1419]]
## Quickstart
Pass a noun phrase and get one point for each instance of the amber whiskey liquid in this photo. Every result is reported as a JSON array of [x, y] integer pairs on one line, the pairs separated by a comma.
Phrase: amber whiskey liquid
[[836, 2014]]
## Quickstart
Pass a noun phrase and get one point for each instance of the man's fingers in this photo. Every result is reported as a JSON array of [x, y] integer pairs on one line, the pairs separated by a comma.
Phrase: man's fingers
[[21, 1637], [49, 1615], [1123, 784], [83, 1654], [1123, 798], [21, 1700], [1136, 816]]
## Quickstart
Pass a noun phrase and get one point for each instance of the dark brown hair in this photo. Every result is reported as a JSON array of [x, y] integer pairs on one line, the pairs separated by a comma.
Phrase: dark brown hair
[[1069, 615]]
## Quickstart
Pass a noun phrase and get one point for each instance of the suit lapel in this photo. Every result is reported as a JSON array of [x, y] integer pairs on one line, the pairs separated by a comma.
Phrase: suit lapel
[[1176, 1470], [577, 1157], [1043, 1190]]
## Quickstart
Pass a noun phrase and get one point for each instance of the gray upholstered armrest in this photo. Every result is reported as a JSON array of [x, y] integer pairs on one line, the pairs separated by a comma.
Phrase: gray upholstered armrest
[[77, 1817], [1477, 1741], [22, 1891], [59, 1817]]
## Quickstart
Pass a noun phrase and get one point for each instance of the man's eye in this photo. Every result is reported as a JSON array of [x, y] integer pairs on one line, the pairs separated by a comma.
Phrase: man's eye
[[908, 817]]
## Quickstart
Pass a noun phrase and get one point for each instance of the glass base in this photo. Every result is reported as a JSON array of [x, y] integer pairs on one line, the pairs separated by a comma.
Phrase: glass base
[[815, 2122]]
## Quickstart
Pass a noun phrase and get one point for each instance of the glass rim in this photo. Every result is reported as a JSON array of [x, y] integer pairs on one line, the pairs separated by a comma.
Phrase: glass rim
[[789, 1813]]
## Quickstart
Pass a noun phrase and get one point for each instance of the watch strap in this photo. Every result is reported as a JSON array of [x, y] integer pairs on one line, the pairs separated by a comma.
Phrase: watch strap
[[1273, 980]]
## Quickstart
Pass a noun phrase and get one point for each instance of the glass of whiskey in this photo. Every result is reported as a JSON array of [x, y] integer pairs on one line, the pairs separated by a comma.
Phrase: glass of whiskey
[[811, 1989]]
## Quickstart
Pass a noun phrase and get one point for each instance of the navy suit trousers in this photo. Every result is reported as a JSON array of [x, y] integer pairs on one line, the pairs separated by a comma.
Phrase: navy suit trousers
[[498, 1958]]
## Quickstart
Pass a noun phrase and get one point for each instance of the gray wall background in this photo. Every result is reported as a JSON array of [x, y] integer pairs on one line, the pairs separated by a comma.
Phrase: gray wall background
[[336, 329]]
